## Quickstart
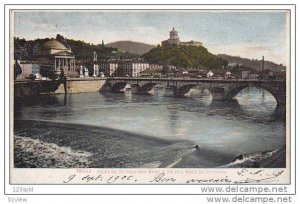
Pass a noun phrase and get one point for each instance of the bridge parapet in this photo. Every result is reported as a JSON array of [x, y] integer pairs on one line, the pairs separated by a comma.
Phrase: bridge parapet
[[221, 89]]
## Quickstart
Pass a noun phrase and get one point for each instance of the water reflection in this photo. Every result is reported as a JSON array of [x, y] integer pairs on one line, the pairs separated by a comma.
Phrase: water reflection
[[250, 103], [246, 124]]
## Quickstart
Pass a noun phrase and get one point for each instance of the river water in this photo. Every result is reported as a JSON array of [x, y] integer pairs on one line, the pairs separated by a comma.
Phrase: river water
[[248, 124]]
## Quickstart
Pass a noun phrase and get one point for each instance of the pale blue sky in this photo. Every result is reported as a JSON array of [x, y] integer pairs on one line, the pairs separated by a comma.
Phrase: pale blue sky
[[245, 34]]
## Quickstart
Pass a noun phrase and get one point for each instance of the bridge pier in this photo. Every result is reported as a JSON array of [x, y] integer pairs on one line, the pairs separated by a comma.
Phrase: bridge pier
[[135, 89], [281, 104], [280, 112], [218, 94], [170, 91]]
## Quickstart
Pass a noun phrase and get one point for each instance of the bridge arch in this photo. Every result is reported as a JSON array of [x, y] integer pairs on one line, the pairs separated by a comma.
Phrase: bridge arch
[[117, 87], [278, 96], [221, 90], [258, 92], [107, 87], [181, 91], [146, 88]]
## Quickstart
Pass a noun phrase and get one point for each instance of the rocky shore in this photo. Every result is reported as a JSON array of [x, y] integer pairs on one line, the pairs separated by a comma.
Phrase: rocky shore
[[33, 153]]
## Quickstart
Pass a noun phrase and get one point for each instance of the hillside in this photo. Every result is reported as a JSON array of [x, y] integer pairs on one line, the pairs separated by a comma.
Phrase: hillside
[[31, 49], [131, 47], [184, 56], [254, 63]]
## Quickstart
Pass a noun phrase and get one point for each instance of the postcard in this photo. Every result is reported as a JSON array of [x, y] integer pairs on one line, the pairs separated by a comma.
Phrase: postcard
[[150, 96]]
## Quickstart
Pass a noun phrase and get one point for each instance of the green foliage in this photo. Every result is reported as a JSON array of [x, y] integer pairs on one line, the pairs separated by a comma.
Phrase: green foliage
[[31, 49], [184, 57], [28, 50], [253, 63]]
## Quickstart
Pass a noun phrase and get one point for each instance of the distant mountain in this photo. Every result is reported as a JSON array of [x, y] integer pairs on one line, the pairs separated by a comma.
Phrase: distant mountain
[[131, 47], [184, 57], [254, 63]]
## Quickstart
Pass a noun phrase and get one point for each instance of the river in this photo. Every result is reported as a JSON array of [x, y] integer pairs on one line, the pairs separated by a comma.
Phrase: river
[[249, 124]]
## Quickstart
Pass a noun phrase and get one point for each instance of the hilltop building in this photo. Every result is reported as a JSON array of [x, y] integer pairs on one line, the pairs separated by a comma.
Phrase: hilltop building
[[174, 40]]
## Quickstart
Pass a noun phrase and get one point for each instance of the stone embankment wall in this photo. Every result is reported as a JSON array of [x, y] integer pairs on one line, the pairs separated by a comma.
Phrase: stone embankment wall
[[82, 85]]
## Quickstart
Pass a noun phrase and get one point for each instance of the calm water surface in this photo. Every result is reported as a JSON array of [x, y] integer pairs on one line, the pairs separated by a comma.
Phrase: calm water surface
[[246, 125]]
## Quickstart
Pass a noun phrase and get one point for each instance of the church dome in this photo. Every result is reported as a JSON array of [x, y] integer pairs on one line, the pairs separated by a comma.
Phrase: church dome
[[54, 44]]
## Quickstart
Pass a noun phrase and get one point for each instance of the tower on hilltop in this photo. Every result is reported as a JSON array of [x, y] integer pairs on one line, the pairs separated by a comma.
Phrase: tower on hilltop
[[174, 35], [173, 40]]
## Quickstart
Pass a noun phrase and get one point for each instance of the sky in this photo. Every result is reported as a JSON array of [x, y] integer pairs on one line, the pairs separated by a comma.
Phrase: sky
[[250, 34]]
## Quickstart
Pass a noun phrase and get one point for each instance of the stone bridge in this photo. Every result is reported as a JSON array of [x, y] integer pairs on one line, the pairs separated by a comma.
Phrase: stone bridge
[[220, 89]]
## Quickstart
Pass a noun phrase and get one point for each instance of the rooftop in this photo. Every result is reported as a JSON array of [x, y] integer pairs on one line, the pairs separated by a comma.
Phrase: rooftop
[[54, 44]]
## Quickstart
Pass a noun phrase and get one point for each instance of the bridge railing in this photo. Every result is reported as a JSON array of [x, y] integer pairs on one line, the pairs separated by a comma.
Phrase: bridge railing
[[161, 79], [193, 79]]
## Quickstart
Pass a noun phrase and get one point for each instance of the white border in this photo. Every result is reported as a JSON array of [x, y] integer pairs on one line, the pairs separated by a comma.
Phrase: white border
[[139, 189]]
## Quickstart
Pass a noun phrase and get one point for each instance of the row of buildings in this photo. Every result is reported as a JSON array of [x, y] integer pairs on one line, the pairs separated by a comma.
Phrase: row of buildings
[[56, 58], [125, 68]]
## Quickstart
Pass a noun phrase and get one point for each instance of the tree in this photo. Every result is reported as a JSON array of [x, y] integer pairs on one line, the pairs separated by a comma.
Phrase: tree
[[102, 45], [62, 40]]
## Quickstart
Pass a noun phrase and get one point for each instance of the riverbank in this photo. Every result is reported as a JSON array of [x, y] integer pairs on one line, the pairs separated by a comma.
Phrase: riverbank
[[44, 144], [33, 153]]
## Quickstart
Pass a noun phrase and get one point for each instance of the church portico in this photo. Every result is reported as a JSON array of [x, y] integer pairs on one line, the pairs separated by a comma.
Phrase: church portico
[[64, 62], [57, 57]]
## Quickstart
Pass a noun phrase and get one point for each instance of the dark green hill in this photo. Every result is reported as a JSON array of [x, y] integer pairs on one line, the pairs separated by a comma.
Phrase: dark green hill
[[253, 63], [184, 56], [31, 49]]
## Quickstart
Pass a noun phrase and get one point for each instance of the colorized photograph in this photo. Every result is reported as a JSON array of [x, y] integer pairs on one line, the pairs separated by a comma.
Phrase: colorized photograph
[[149, 88]]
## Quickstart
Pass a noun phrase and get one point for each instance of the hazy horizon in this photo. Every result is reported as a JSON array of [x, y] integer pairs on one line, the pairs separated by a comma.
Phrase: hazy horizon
[[245, 34]]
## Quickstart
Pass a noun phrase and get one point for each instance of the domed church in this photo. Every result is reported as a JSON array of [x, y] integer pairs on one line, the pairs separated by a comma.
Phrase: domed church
[[54, 47], [59, 57]]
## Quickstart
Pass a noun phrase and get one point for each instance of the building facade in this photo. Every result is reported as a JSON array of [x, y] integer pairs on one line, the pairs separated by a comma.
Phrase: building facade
[[57, 57], [131, 69], [191, 43], [174, 40], [27, 69], [108, 68], [245, 74], [123, 68]]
